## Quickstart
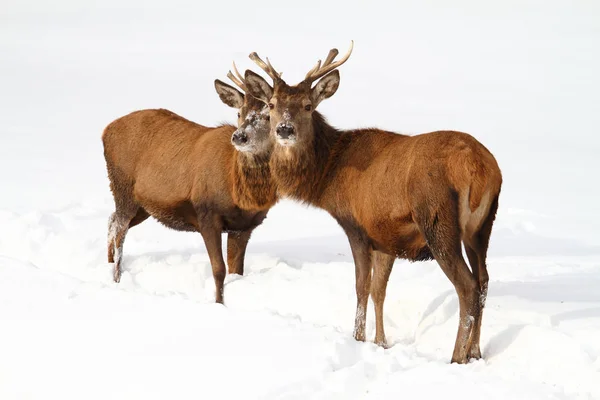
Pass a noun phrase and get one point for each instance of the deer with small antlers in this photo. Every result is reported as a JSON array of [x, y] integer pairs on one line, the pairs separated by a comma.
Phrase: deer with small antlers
[[396, 196], [190, 178]]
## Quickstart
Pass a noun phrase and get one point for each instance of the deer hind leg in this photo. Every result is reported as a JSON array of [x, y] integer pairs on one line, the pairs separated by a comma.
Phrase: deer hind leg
[[236, 251], [117, 230], [112, 230], [118, 226], [476, 248], [442, 232], [128, 213], [480, 275], [382, 267], [362, 267]]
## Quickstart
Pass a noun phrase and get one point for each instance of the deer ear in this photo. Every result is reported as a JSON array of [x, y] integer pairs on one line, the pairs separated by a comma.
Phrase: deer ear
[[325, 88], [229, 95], [258, 87]]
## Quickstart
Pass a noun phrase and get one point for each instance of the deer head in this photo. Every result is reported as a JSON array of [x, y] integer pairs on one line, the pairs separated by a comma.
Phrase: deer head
[[291, 108], [252, 135]]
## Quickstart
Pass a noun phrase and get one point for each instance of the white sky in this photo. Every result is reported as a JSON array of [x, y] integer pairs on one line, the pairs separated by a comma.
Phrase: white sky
[[522, 77]]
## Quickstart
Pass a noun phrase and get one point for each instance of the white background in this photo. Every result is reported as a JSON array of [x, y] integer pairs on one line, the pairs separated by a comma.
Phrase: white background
[[520, 76]]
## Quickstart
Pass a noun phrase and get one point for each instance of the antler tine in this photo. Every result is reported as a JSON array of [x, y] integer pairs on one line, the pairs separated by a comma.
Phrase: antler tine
[[237, 73], [254, 57], [332, 54], [267, 67], [313, 70], [329, 65], [278, 74], [238, 80]]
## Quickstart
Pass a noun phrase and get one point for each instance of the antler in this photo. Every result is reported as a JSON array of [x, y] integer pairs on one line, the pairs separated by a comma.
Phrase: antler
[[266, 66], [318, 71], [238, 79]]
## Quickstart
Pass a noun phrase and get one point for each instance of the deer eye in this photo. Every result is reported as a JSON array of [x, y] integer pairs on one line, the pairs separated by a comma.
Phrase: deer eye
[[271, 106], [268, 117], [308, 107], [238, 115]]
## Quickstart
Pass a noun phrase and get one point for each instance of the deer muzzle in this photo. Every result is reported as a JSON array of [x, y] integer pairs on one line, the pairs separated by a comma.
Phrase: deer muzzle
[[286, 133], [241, 140]]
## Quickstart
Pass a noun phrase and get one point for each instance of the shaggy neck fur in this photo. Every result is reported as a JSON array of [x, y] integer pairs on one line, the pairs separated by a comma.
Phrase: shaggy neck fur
[[302, 172], [253, 187]]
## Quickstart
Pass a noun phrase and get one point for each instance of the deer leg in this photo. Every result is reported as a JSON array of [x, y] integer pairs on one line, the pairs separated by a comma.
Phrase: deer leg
[[112, 231], [467, 289], [118, 226], [476, 250], [382, 267], [117, 230], [442, 233], [474, 350], [128, 213], [362, 268], [119, 238], [236, 251], [212, 240]]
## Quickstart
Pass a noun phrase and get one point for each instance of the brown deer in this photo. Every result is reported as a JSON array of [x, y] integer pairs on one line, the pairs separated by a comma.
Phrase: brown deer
[[396, 196], [190, 178]]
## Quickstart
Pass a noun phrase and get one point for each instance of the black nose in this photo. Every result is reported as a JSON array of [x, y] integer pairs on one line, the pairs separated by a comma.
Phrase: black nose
[[285, 131], [239, 138]]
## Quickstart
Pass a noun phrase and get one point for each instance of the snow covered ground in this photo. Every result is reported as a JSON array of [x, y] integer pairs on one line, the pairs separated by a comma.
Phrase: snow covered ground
[[286, 330], [520, 76]]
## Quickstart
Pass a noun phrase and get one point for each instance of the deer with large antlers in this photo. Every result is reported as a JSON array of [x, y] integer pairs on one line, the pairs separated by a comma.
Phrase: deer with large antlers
[[190, 178], [396, 196]]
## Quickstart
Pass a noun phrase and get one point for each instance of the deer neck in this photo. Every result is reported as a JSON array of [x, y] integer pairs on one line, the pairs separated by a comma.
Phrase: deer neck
[[253, 187], [302, 172]]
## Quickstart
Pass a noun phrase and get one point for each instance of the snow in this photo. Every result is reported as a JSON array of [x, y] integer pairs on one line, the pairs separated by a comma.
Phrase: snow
[[520, 76], [286, 329]]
